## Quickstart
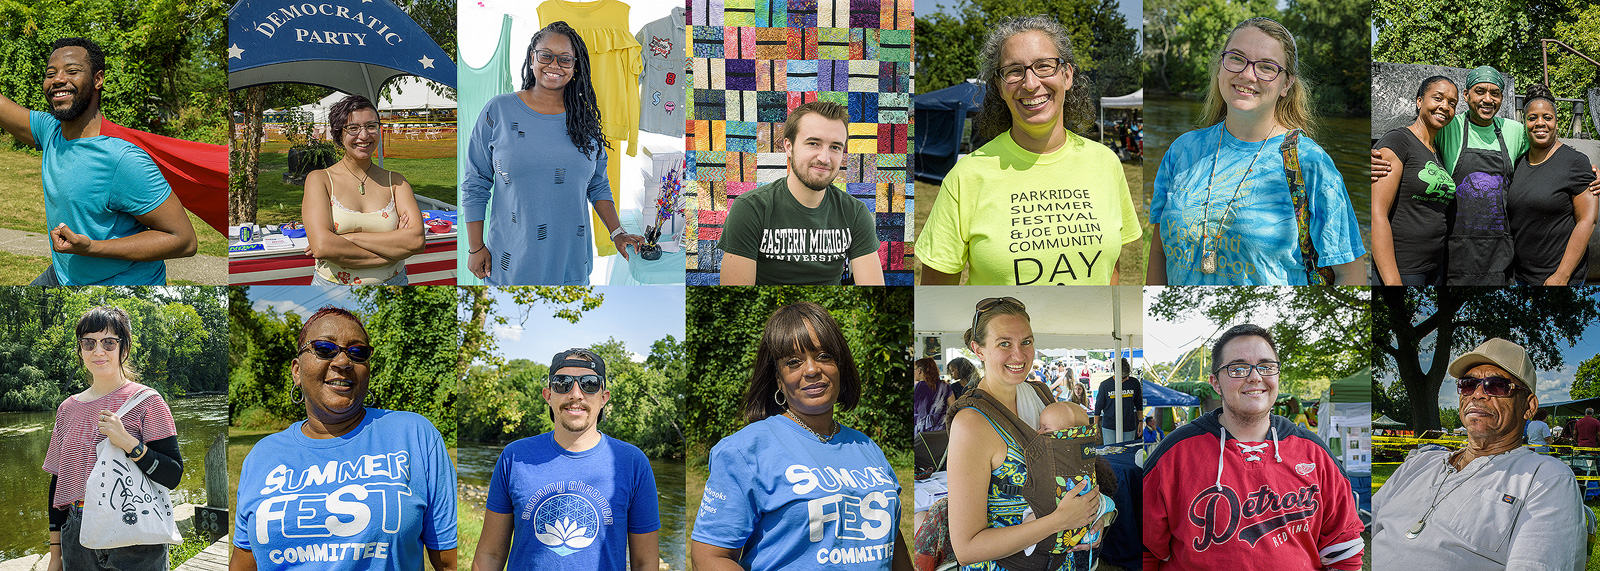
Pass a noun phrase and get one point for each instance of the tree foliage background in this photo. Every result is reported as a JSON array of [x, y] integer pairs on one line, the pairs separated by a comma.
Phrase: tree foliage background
[[723, 326], [166, 68], [501, 399], [1410, 324], [1182, 36], [947, 45], [414, 367], [178, 346]]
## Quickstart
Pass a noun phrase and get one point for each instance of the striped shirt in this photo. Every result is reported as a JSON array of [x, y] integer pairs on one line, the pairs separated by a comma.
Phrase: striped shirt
[[71, 456]]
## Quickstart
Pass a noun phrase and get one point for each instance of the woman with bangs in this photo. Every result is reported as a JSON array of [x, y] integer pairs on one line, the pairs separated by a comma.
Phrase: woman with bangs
[[778, 494], [1250, 199]]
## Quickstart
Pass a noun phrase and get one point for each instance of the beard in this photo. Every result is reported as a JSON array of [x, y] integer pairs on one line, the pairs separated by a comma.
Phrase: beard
[[813, 183], [80, 103]]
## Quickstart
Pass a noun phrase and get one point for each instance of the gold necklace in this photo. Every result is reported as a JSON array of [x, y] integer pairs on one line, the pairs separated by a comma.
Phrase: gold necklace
[[1208, 261], [364, 179], [824, 439]]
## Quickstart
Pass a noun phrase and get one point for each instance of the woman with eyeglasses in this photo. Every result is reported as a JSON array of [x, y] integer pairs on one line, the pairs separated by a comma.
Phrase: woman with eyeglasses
[[147, 434], [794, 489], [1037, 204], [362, 221], [538, 160], [1250, 199], [991, 524], [349, 487]]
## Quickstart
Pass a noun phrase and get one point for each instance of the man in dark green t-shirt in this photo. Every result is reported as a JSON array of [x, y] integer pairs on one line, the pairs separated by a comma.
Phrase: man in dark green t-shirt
[[801, 230]]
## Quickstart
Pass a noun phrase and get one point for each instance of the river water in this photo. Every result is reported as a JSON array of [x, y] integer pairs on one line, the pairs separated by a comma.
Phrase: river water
[[1347, 140], [475, 463], [25, 437]]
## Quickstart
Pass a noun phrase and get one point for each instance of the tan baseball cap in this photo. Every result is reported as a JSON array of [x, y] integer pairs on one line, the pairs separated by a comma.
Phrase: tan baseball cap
[[1501, 353]]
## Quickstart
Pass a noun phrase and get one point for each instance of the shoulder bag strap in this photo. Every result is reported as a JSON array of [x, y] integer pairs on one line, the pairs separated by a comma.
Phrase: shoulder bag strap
[[1302, 210], [138, 397]]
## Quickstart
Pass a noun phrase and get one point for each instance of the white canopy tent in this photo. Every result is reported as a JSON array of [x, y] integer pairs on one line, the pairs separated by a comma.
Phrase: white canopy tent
[[410, 92], [1133, 100]]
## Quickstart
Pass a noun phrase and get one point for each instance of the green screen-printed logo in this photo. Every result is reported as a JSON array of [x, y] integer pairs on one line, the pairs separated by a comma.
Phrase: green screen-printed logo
[[1441, 188]]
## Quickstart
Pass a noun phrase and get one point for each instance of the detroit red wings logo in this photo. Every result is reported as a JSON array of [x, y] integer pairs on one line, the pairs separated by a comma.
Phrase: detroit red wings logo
[[1304, 468], [1221, 515]]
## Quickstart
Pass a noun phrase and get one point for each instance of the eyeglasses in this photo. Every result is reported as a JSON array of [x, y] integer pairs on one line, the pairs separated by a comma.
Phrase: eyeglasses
[[328, 350], [1236, 62], [545, 57], [110, 344], [372, 127], [1046, 67], [989, 304], [1242, 370], [589, 384], [1492, 386]]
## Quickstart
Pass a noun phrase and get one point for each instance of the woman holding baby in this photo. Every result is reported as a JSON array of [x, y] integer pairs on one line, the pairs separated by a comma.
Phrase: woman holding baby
[[989, 521]]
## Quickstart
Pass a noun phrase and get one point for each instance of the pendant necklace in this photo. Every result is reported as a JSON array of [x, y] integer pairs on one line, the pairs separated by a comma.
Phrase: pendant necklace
[[1208, 241], [364, 179], [824, 439], [1421, 523]]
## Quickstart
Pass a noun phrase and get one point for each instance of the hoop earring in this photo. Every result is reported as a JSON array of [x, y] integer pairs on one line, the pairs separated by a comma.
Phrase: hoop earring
[[297, 391], [779, 393], [371, 396]]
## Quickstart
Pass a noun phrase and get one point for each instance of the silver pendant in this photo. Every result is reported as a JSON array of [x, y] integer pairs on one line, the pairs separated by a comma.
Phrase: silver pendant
[[1416, 529], [1208, 263]]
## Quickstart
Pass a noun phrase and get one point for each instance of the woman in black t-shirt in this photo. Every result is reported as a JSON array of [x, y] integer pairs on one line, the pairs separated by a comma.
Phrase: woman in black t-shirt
[[1409, 224], [1550, 214]]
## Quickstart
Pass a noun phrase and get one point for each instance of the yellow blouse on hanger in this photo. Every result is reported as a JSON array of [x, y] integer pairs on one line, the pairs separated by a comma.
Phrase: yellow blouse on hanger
[[614, 59]]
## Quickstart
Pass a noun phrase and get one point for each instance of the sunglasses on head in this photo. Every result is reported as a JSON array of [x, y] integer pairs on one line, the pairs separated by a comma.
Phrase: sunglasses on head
[[991, 303], [327, 350], [589, 384], [1492, 386], [110, 344]]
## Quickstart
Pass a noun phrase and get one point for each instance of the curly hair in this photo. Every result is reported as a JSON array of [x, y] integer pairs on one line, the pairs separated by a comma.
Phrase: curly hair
[[339, 115], [1293, 109], [97, 56], [995, 118], [583, 109]]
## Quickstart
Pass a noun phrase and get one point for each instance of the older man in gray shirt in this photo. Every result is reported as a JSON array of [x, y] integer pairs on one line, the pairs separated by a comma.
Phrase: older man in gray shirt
[[1493, 504]]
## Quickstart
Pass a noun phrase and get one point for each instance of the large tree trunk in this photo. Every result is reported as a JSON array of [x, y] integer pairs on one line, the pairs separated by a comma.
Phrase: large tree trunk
[[242, 203]]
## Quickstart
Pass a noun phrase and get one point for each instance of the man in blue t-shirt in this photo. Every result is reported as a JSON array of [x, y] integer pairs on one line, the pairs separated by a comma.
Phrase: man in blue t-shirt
[[571, 498], [112, 218]]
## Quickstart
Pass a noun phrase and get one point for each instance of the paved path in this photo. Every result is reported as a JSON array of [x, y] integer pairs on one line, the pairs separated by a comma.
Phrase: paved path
[[210, 270]]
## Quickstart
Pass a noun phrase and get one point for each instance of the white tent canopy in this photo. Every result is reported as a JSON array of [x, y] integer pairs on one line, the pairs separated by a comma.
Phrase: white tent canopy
[[410, 92], [1133, 100]]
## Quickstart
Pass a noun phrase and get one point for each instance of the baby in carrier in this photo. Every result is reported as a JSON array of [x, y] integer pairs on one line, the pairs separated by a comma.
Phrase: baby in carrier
[[1058, 461]]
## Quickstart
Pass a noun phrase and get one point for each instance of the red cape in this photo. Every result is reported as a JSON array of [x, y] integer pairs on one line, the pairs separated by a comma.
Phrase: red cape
[[198, 172]]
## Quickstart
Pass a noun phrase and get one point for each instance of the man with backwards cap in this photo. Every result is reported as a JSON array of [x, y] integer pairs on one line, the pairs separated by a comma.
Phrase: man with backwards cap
[[571, 498], [1493, 504]]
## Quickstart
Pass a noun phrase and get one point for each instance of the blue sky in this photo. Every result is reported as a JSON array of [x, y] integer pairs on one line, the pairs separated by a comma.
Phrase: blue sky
[[637, 316], [1132, 9]]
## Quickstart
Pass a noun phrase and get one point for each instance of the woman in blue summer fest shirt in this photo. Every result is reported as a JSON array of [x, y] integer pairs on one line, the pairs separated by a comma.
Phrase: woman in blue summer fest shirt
[[795, 489], [350, 487], [1222, 205]]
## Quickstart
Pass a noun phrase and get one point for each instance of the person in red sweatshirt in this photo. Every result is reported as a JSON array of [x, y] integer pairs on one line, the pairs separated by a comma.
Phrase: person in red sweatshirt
[[1277, 501]]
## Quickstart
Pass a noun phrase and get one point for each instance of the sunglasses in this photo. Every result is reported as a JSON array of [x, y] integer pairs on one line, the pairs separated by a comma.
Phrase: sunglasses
[[110, 344], [992, 303], [589, 384], [327, 350], [1492, 386]]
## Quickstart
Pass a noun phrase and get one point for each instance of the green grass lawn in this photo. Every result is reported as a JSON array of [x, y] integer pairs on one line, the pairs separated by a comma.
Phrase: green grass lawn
[[277, 202]]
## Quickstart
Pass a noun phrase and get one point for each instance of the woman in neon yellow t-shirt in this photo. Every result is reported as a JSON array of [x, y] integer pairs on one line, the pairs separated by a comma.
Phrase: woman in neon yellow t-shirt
[[1037, 204]]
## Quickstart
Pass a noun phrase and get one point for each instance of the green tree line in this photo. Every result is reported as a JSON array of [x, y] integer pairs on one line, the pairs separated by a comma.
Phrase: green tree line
[[414, 366], [177, 341], [724, 326]]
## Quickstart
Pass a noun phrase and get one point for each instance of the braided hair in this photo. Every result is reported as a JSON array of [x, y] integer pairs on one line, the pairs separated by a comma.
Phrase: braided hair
[[583, 110], [1538, 91]]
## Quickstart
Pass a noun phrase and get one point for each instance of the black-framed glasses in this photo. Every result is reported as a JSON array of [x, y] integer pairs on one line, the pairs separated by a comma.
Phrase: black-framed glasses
[[589, 384], [1236, 62], [1242, 370], [328, 350], [1043, 68], [545, 57], [1495, 386], [991, 303], [372, 127], [110, 344]]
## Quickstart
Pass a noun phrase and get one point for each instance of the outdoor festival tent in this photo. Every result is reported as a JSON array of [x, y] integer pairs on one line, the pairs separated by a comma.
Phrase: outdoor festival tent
[[941, 116]]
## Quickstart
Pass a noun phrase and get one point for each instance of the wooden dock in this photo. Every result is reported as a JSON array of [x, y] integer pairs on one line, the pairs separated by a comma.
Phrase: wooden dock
[[213, 558]]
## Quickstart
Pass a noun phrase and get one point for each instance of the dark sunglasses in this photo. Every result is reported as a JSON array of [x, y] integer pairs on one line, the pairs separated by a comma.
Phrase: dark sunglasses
[[327, 350], [991, 303], [589, 384], [110, 344], [1492, 386]]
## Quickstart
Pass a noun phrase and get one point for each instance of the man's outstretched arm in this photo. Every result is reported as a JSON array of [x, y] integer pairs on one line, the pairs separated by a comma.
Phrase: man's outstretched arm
[[14, 118]]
